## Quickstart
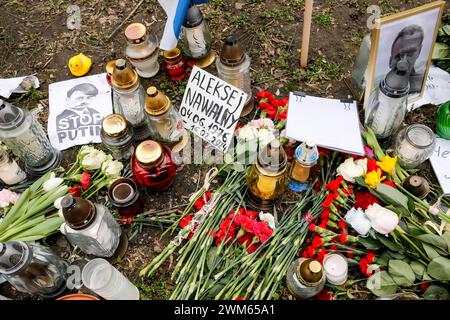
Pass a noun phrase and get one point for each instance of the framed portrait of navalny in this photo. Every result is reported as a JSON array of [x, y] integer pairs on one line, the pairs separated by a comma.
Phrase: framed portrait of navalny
[[404, 41]]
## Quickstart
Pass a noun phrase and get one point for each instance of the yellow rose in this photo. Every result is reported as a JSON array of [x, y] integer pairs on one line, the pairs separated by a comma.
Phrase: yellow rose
[[373, 178], [388, 164]]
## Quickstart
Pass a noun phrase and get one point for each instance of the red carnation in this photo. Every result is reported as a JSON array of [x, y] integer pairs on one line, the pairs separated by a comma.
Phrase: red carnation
[[342, 224], [312, 227], [185, 221], [85, 180], [317, 242], [370, 257], [282, 115], [75, 190], [363, 265], [343, 237], [264, 105], [317, 186], [250, 213], [349, 254], [271, 111], [334, 247], [325, 294], [201, 201], [424, 286], [364, 199], [334, 184], [372, 165], [321, 254], [323, 151], [310, 251], [325, 213]]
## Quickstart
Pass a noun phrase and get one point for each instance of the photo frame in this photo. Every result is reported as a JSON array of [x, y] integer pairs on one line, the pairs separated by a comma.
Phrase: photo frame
[[412, 33]]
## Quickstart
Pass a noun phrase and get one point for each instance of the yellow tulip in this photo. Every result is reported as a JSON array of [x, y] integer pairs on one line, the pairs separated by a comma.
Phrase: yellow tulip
[[388, 164], [373, 178]]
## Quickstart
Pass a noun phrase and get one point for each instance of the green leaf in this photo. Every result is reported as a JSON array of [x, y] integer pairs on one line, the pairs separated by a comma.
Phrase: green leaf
[[383, 259], [426, 277], [414, 230], [434, 240], [381, 284], [369, 243], [392, 195], [418, 268], [446, 237], [401, 273], [389, 244], [439, 268], [441, 50], [431, 253], [435, 292]]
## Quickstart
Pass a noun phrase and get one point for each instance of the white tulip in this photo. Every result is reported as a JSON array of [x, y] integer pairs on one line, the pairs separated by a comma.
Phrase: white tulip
[[247, 133], [57, 202], [60, 213], [268, 218], [52, 183], [265, 136], [382, 220], [358, 221], [351, 169]]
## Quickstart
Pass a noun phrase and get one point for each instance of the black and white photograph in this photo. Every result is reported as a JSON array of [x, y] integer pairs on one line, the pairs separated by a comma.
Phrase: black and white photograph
[[77, 108]]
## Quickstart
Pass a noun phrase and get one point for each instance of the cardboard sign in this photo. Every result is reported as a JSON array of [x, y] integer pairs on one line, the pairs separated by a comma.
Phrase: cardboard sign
[[440, 161], [211, 108], [329, 123], [77, 108]]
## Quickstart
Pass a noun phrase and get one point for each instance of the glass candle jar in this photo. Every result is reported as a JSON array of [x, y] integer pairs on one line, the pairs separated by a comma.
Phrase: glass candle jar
[[267, 179], [24, 135], [10, 172], [305, 166], [174, 64], [305, 278], [117, 136], [124, 196], [387, 105], [90, 226], [195, 38], [163, 119], [142, 50], [33, 269], [109, 71], [129, 98], [414, 145], [335, 267], [233, 66], [152, 165], [443, 121]]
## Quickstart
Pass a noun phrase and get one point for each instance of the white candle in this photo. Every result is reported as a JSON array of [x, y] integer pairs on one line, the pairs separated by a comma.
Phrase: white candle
[[336, 268]]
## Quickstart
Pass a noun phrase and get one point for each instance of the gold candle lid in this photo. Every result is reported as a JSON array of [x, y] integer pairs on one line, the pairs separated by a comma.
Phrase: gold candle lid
[[156, 103], [272, 160], [172, 55], [310, 271], [110, 66], [135, 32], [124, 77], [148, 152], [114, 125]]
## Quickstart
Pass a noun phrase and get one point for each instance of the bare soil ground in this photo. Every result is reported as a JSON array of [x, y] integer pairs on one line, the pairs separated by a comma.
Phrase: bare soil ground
[[34, 39]]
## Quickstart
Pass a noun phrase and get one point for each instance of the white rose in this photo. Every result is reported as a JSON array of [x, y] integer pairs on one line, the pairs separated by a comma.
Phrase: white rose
[[382, 220], [268, 218], [247, 133], [265, 136], [358, 221], [112, 168], [52, 183], [351, 169], [86, 150], [90, 162]]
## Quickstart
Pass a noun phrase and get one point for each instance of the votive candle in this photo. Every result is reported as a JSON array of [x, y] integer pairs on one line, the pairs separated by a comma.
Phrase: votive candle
[[336, 268]]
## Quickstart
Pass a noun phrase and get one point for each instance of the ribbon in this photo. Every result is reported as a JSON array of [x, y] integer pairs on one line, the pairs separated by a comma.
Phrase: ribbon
[[206, 183]]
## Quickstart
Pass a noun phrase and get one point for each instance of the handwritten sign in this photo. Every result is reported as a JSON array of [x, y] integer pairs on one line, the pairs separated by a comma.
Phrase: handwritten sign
[[330, 123], [211, 108], [440, 160]]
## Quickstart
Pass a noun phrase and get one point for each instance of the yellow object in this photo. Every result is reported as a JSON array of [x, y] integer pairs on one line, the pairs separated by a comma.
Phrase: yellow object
[[373, 178], [388, 164], [79, 65]]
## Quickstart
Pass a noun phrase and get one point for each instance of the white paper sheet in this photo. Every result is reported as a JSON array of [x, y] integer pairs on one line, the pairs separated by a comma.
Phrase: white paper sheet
[[330, 123], [440, 161], [437, 89], [12, 85], [77, 108]]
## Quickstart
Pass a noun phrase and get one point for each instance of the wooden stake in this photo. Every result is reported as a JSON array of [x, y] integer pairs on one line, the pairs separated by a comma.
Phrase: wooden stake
[[306, 32]]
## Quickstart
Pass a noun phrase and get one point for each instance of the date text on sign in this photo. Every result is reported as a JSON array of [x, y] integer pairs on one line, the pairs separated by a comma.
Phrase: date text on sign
[[211, 108]]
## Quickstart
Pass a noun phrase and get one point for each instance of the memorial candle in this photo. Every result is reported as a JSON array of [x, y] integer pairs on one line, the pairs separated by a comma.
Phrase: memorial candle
[[336, 268]]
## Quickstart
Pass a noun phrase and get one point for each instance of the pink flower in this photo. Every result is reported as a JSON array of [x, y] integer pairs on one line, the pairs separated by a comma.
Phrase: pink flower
[[262, 123], [369, 152], [7, 197]]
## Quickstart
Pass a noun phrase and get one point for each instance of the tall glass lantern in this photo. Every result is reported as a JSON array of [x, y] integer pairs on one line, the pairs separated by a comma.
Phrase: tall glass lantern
[[234, 68], [129, 98], [196, 39], [387, 104], [24, 135]]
